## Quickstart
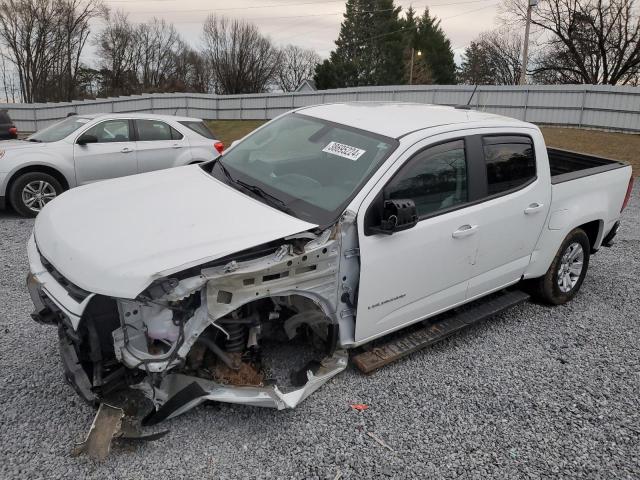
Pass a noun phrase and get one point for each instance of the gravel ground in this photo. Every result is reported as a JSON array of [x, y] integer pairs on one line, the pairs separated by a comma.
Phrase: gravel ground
[[535, 392]]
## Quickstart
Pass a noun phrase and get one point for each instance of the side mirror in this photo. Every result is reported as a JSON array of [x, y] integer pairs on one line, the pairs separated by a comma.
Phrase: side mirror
[[397, 215], [87, 138]]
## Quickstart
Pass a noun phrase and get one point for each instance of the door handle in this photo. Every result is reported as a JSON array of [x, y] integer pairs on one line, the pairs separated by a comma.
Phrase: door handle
[[126, 150], [533, 208], [465, 231], [176, 145]]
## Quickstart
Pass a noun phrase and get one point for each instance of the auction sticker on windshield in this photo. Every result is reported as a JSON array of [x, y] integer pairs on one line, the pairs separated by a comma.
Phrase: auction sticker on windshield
[[345, 151]]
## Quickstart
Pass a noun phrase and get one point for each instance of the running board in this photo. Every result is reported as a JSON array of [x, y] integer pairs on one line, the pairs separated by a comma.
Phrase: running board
[[435, 331]]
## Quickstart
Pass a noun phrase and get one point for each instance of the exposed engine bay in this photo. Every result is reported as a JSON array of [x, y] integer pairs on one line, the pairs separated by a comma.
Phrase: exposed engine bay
[[267, 328]]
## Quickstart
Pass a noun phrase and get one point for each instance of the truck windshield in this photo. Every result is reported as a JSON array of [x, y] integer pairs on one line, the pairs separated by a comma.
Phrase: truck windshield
[[58, 130], [310, 166]]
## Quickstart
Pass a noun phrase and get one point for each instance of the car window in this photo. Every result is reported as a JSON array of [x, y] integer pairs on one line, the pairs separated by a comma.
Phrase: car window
[[175, 134], [4, 117], [111, 131], [154, 130], [510, 162], [200, 128], [59, 130], [435, 179]]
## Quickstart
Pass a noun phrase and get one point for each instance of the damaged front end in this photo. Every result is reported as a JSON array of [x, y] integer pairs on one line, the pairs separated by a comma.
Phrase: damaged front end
[[265, 329]]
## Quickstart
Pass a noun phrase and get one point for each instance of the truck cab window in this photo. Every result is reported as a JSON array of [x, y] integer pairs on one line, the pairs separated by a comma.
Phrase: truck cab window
[[435, 179], [510, 162]]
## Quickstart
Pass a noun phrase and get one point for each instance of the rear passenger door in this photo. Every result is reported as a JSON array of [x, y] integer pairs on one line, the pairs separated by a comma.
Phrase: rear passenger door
[[516, 203], [159, 146]]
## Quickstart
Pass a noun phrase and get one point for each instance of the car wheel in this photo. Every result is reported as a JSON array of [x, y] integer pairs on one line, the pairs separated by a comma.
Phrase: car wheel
[[32, 191], [567, 271]]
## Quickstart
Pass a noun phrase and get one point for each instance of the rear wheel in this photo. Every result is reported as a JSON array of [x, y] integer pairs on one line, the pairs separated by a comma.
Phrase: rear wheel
[[32, 191], [567, 271]]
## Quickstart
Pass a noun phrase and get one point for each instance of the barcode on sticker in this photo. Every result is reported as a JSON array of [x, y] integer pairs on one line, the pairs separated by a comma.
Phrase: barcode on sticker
[[345, 151]]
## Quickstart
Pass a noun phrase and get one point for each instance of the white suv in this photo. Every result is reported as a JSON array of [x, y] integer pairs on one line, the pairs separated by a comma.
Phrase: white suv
[[85, 148]]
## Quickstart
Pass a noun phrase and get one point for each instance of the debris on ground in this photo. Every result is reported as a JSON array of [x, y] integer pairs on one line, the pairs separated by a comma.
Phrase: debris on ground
[[380, 441]]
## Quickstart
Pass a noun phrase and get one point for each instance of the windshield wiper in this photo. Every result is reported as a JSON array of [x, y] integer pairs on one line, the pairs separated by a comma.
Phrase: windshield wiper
[[270, 199], [224, 170]]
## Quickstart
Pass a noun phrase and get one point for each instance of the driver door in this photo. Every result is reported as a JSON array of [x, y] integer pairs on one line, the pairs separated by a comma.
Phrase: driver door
[[112, 155], [415, 273]]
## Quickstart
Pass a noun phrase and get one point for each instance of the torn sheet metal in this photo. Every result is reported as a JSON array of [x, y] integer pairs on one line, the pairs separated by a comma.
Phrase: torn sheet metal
[[111, 423], [105, 427], [192, 391]]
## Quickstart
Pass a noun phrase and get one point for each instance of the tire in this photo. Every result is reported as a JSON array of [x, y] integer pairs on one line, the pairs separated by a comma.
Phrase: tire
[[30, 192], [566, 273]]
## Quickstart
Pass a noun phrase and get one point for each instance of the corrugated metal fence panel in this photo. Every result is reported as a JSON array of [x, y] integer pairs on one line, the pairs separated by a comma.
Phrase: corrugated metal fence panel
[[591, 106]]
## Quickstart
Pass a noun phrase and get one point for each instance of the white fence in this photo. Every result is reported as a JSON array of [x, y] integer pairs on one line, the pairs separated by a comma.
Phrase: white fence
[[584, 106]]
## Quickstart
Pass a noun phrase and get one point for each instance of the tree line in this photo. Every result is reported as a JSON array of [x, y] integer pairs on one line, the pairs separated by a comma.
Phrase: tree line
[[43, 40], [42, 44], [572, 42]]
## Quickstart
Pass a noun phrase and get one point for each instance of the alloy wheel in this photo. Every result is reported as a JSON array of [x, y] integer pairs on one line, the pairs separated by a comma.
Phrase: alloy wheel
[[36, 194], [571, 265]]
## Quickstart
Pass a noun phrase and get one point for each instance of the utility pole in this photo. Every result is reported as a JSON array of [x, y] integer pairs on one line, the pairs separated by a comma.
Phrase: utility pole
[[411, 67], [525, 49]]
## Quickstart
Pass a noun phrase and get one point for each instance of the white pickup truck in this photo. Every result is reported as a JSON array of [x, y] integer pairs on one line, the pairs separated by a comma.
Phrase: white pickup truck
[[248, 279]]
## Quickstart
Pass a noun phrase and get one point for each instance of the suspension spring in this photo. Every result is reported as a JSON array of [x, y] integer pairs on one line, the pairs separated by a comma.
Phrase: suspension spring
[[237, 337]]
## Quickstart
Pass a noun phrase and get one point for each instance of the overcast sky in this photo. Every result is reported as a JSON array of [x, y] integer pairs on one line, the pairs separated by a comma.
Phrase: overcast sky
[[309, 23]]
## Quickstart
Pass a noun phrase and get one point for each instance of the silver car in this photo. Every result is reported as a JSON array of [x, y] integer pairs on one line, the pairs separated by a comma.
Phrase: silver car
[[86, 148]]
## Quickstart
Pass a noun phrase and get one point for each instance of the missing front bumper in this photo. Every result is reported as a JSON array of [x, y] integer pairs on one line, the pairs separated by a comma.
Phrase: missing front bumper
[[183, 392]]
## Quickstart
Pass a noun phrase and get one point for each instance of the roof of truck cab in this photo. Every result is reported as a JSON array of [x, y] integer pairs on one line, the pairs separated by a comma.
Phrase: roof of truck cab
[[393, 119], [148, 116]]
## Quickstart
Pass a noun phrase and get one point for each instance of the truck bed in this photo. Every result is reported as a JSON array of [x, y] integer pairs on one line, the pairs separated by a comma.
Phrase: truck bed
[[567, 165]]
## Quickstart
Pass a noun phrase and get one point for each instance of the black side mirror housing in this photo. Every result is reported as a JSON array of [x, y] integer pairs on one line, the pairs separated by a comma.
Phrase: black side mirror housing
[[397, 215], [86, 138]]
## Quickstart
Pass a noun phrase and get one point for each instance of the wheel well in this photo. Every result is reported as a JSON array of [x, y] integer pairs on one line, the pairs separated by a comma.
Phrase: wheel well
[[39, 169], [592, 229]]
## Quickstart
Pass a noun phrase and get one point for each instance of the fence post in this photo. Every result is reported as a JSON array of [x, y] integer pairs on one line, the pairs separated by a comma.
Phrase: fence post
[[584, 100], [526, 105], [35, 118], [186, 106]]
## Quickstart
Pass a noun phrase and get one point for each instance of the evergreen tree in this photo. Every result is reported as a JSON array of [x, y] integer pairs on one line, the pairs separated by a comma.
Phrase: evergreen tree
[[476, 66], [369, 49], [436, 64]]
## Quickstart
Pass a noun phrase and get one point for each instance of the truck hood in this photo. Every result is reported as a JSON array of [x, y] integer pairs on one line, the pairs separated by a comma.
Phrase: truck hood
[[116, 237]]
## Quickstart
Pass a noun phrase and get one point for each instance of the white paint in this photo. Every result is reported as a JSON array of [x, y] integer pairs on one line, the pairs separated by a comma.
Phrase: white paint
[[116, 237]]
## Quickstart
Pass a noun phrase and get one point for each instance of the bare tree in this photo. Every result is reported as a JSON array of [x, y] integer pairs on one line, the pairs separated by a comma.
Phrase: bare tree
[[240, 58], [193, 73], [8, 80], [297, 65], [494, 58], [159, 44], [73, 24], [585, 41], [44, 39], [118, 55]]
